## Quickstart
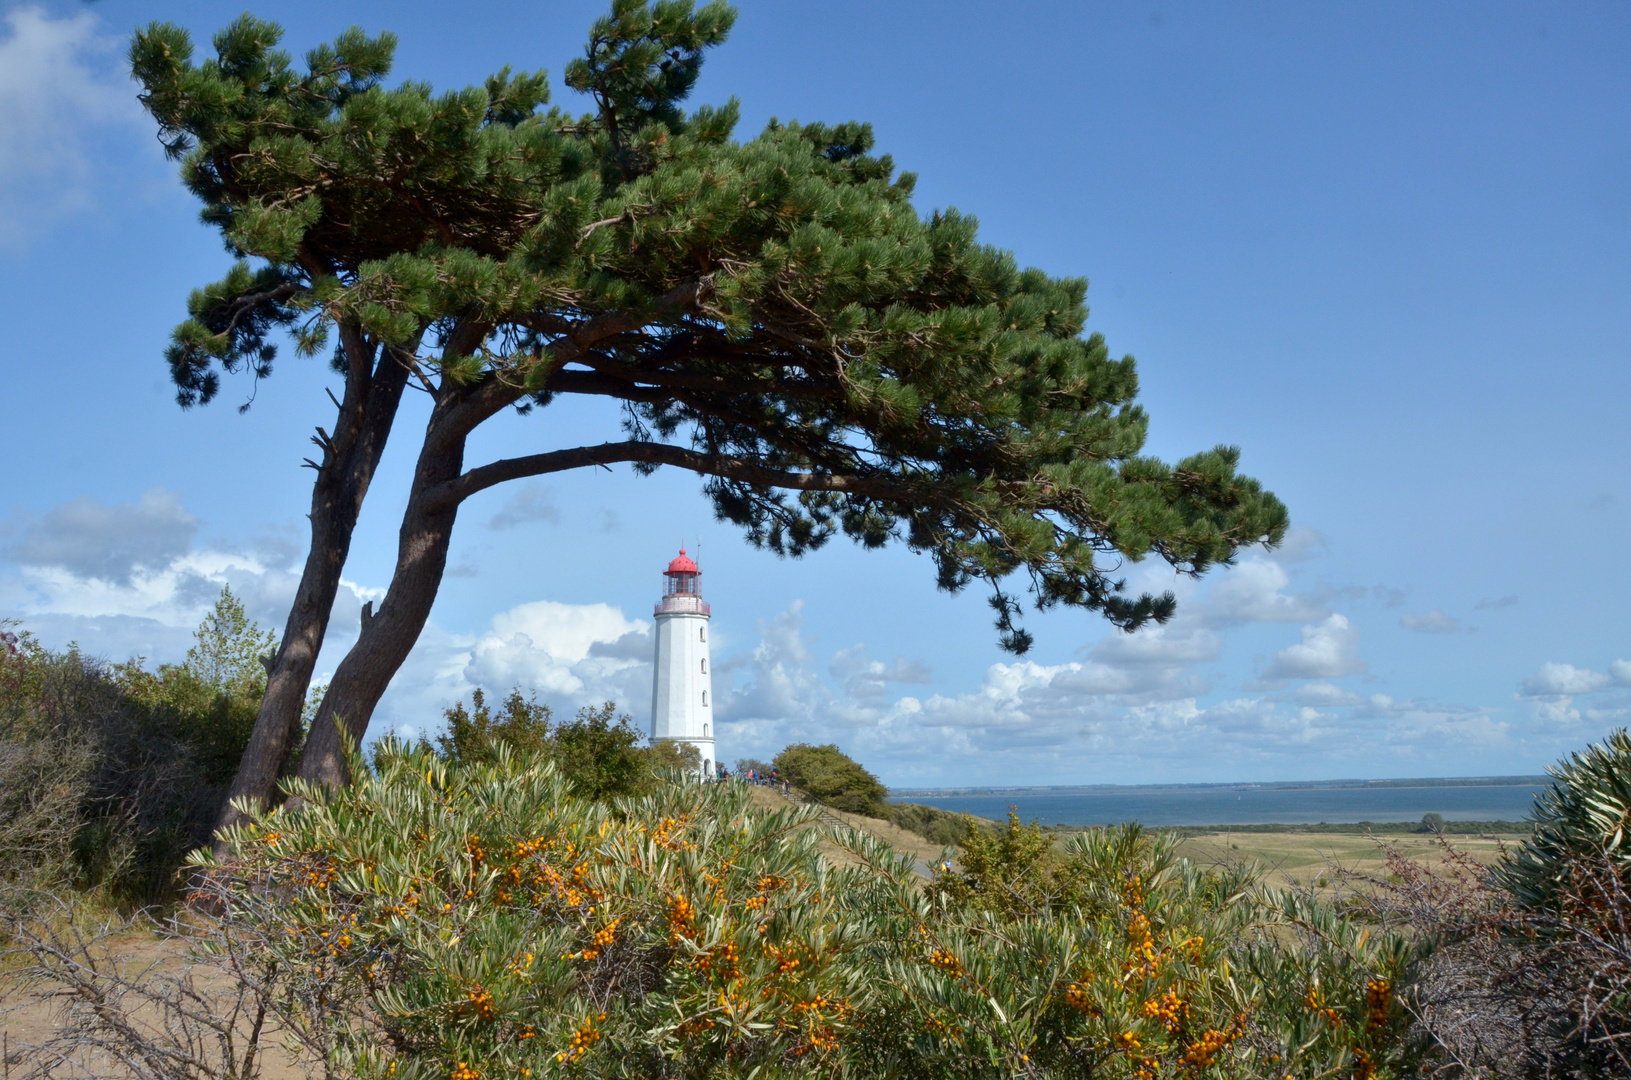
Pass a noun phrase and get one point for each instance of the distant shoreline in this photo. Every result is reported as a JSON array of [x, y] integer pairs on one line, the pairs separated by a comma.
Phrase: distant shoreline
[[1272, 785]]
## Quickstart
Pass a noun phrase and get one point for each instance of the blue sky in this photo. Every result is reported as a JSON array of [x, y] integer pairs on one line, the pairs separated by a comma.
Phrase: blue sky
[[1384, 248]]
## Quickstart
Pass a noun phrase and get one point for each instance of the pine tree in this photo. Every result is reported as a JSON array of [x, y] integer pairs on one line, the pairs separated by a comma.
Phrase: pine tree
[[772, 314], [229, 648]]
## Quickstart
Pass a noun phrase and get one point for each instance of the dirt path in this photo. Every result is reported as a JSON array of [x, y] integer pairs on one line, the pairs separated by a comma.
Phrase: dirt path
[[36, 1031]]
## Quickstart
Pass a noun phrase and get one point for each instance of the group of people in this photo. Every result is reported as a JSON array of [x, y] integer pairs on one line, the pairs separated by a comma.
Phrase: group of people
[[764, 777]]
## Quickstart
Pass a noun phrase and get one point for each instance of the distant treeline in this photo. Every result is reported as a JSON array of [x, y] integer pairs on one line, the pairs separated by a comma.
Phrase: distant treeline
[[1276, 785], [1360, 828]]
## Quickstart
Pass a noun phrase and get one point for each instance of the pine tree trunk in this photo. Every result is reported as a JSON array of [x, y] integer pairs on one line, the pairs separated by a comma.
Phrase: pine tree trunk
[[389, 634], [351, 457]]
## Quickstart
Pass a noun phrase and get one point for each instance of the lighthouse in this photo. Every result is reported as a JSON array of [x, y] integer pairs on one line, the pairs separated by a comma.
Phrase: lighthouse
[[681, 701]]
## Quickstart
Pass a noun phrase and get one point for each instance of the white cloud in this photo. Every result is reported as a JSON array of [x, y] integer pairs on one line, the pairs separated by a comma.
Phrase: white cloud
[[62, 91], [568, 655], [1253, 591], [543, 645], [862, 677], [1430, 622], [781, 682], [1328, 649], [1165, 648], [126, 581], [1554, 678], [1301, 544], [107, 543], [1552, 691]]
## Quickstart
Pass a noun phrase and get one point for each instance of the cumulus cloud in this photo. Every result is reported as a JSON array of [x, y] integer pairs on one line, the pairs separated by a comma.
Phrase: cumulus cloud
[[1130, 707], [1552, 692], [543, 645], [62, 93], [779, 681], [863, 677], [567, 655], [1328, 649], [1301, 544], [108, 543], [126, 580], [1554, 678], [1254, 591], [529, 503], [1430, 622]]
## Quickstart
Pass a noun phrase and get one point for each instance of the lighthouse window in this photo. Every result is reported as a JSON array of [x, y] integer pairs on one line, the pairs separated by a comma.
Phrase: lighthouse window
[[705, 665], [705, 697], [704, 731], [702, 633]]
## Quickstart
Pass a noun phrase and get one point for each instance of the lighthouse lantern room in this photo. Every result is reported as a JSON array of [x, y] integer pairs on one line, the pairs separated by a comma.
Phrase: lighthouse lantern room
[[681, 705]]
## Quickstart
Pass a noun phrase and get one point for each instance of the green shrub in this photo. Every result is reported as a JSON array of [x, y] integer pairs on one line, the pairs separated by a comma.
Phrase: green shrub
[[944, 827], [598, 751], [1568, 921], [598, 754], [110, 775], [830, 776], [1584, 814], [479, 920]]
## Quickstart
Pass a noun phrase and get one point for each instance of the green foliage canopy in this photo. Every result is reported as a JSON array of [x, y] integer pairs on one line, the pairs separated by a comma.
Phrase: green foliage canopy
[[597, 751], [771, 312], [828, 775], [111, 774], [212, 697]]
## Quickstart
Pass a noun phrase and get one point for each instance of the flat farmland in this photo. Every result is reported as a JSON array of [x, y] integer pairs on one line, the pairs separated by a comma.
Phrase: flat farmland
[[1299, 858]]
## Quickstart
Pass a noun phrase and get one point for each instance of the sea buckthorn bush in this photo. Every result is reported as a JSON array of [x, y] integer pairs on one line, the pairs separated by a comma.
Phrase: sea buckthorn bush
[[473, 921]]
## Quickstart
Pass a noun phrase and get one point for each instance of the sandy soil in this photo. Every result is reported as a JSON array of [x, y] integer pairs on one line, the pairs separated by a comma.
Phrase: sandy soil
[[31, 1015]]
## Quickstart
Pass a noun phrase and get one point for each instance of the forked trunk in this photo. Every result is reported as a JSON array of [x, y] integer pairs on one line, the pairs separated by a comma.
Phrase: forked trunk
[[351, 456], [389, 634]]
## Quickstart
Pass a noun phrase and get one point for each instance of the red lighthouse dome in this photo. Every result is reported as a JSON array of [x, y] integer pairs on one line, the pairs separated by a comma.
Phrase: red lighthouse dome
[[681, 587]]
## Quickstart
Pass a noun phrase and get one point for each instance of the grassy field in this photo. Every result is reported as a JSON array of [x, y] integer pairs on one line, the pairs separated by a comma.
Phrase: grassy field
[[1301, 857], [1296, 855]]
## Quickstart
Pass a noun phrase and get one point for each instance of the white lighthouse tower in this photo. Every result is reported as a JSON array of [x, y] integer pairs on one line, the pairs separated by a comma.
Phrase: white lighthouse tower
[[681, 699]]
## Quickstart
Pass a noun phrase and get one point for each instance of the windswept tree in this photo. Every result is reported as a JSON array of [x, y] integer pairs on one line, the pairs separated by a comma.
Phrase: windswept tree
[[771, 314]]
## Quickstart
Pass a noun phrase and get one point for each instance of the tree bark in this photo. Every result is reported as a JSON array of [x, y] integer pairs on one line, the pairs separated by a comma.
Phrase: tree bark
[[351, 455], [389, 634]]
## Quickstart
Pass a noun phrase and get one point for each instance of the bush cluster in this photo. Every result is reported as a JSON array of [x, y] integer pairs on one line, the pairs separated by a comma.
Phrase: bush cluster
[[945, 827], [111, 774], [598, 751], [828, 775], [481, 920]]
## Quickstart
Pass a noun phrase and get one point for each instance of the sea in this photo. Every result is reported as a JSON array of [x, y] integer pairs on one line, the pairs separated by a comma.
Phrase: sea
[[1497, 799]]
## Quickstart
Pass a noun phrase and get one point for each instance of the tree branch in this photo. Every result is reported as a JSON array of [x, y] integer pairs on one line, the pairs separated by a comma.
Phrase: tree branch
[[652, 453], [494, 394]]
